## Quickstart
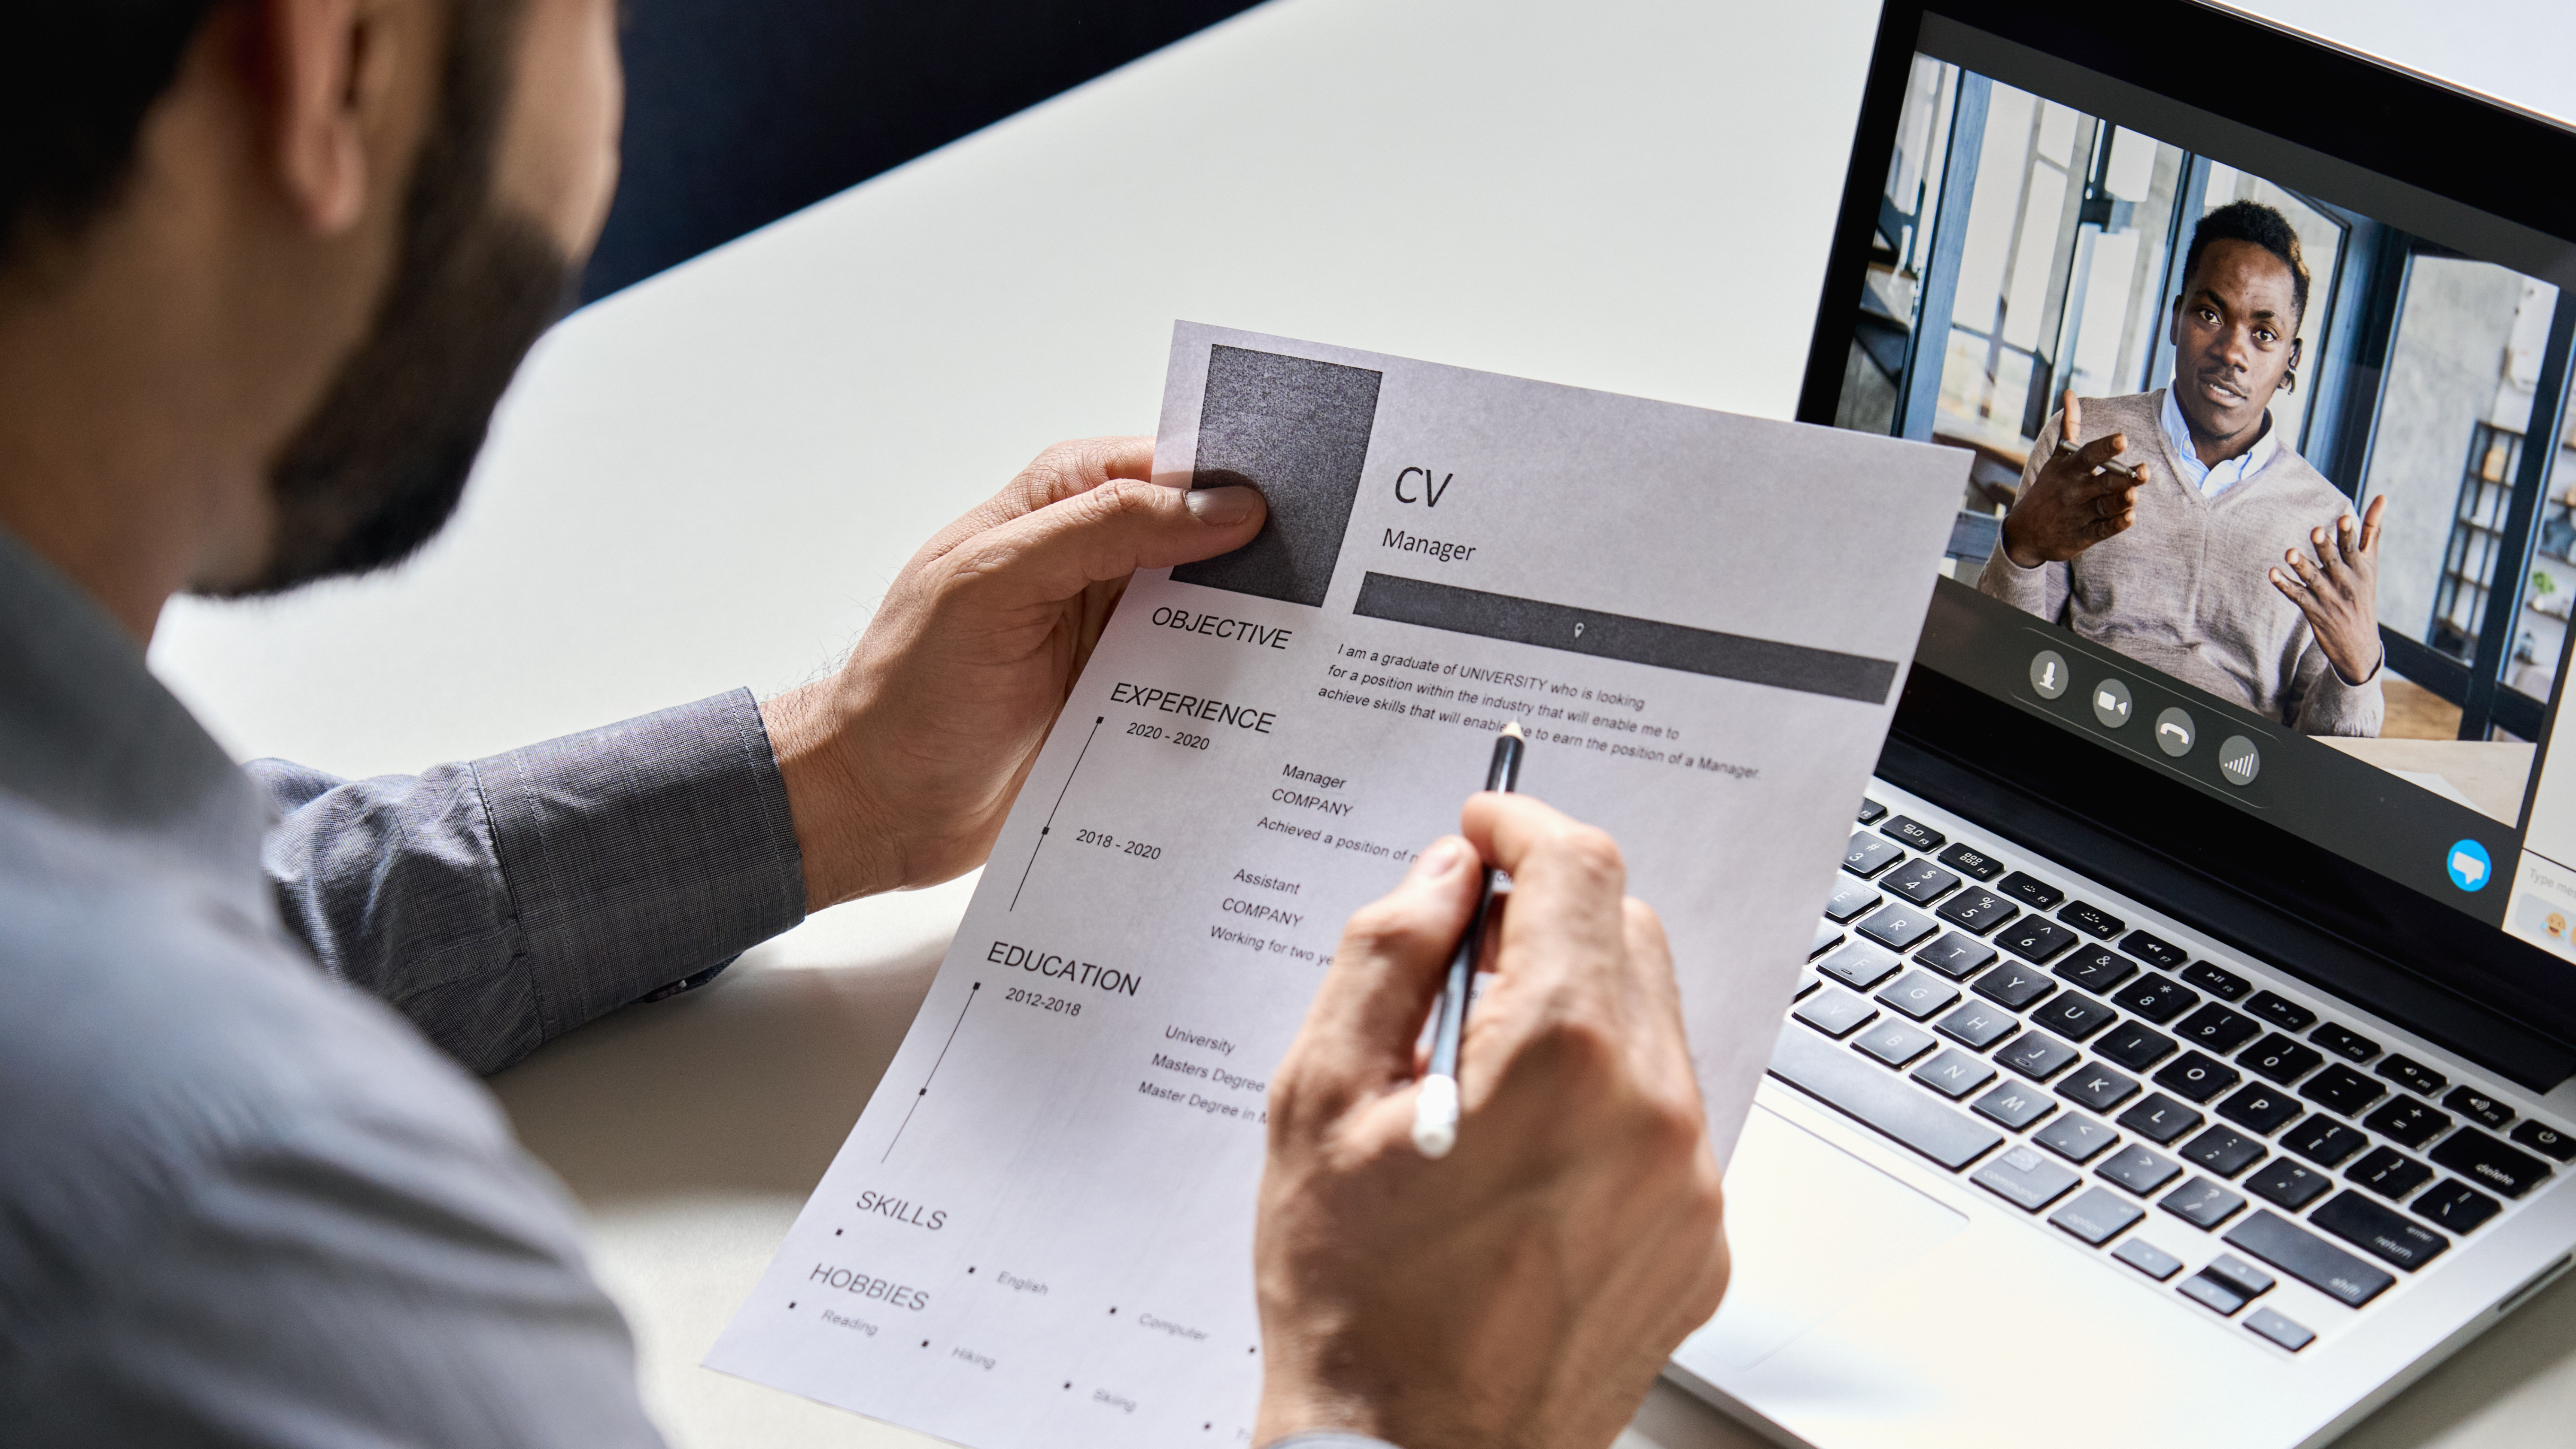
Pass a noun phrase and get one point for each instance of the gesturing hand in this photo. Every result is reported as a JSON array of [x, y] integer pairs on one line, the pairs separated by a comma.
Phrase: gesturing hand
[[901, 767], [1524, 1290], [2339, 591], [2074, 503]]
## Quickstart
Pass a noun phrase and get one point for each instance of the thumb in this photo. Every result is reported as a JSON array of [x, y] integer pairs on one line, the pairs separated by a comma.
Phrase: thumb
[[1102, 534], [1359, 1033]]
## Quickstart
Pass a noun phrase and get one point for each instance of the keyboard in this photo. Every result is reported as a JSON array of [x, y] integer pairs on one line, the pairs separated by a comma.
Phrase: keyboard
[[2193, 1117]]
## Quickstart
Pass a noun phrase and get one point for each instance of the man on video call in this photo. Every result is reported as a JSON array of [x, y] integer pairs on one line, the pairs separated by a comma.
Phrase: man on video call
[[265, 267], [2179, 528]]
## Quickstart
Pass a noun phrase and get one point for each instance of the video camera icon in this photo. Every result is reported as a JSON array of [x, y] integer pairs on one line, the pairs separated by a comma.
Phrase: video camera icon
[[2111, 703]]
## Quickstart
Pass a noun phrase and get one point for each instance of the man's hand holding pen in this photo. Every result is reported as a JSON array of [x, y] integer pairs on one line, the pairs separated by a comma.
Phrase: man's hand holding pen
[[1525, 1289], [2080, 498]]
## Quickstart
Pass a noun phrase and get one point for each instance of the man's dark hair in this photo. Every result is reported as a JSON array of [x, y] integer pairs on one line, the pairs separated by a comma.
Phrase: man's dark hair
[[76, 79], [2251, 221]]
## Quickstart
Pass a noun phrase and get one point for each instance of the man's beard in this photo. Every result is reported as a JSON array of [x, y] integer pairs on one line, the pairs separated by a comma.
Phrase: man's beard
[[380, 464]]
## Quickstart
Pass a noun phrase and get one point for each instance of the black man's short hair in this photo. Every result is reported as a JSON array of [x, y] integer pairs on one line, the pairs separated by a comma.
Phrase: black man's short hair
[[2251, 221]]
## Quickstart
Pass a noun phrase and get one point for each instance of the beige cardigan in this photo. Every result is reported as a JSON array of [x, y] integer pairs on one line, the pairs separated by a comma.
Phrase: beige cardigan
[[2188, 589]]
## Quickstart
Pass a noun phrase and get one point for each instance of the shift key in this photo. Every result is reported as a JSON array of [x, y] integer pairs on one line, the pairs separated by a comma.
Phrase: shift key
[[2310, 1259]]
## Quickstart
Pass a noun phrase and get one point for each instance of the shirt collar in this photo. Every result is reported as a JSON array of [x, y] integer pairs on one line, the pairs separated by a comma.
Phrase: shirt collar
[[2209, 481], [88, 735]]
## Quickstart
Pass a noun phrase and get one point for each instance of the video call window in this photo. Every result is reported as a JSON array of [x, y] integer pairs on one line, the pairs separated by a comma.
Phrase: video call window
[[2025, 247]]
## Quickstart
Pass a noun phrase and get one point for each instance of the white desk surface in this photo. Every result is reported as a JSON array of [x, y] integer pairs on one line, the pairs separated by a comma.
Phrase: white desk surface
[[705, 482]]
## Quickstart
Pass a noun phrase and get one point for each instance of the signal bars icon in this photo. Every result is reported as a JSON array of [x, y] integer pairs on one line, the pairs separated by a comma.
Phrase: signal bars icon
[[2239, 761]]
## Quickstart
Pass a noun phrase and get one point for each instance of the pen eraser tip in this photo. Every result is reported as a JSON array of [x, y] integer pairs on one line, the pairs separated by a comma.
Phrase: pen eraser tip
[[1435, 1117], [1514, 730]]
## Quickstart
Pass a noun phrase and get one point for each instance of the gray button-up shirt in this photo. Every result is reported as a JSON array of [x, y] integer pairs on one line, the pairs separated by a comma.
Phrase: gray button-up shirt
[[244, 1200]]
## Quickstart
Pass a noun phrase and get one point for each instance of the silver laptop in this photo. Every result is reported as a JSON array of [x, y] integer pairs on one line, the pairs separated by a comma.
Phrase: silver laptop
[[2188, 1050]]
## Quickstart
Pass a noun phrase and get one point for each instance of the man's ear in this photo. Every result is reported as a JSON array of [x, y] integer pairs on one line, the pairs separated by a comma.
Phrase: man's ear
[[328, 66], [2173, 323]]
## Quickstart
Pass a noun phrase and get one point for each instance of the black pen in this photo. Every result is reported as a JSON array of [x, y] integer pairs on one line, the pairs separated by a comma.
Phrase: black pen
[[1435, 1112]]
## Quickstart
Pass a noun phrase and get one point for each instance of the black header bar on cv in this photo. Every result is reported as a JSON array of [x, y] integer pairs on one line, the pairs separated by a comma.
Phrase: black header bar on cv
[[1650, 642]]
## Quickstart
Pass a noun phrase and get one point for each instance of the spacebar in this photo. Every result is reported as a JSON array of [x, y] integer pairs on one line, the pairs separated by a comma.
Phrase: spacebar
[[1850, 1085]]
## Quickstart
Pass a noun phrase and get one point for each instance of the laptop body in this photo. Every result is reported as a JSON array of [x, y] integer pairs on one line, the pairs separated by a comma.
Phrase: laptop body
[[2164, 1073]]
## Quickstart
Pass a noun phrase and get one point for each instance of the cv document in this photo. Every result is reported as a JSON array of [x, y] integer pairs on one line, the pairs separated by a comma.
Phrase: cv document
[[1039, 1235]]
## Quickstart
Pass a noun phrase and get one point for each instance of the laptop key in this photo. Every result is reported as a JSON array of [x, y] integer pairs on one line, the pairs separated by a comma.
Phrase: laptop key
[[2013, 985], [2201, 1203], [2160, 1119], [1870, 854], [2216, 1029], [2288, 1333], [1898, 927], [2197, 1078], [2096, 1217], [2413, 1075], [2077, 1139], [2096, 968], [1974, 864], [1978, 911], [2025, 1179], [1909, 831], [2341, 1089], [2031, 891], [1871, 812], [2240, 1275], [2037, 1057], [2073, 1015], [1806, 983], [1954, 1073], [2092, 921], [2014, 1105], [2273, 1239], [2388, 1172], [1827, 938], [1977, 1026], [2549, 1142], [2344, 1042], [2097, 1087], [2147, 1258], [2222, 1152], [2261, 1109], [2381, 1232], [1921, 882], [2478, 1106], [2276, 1058], [2133, 1046], [2153, 951], [2217, 980], [2457, 1206], [2407, 1122], [1860, 966], [2284, 1183], [1919, 994], [2156, 998], [1835, 1013], [2211, 1294], [2323, 1141], [2138, 1170], [2034, 940], [1851, 901], [2489, 1163], [2281, 1011], [1880, 1102], [1956, 956], [1893, 1042]]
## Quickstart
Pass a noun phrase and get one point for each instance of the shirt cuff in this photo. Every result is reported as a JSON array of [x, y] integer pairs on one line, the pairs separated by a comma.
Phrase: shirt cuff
[[644, 856]]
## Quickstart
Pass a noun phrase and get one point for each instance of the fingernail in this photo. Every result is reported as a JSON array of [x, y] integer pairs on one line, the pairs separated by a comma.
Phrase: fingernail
[[1223, 507], [1438, 861]]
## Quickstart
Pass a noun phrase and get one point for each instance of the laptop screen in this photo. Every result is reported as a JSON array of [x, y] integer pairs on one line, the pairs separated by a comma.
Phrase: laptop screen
[[2281, 345]]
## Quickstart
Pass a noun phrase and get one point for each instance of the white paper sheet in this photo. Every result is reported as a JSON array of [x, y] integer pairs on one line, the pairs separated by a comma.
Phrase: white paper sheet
[[1039, 1234]]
